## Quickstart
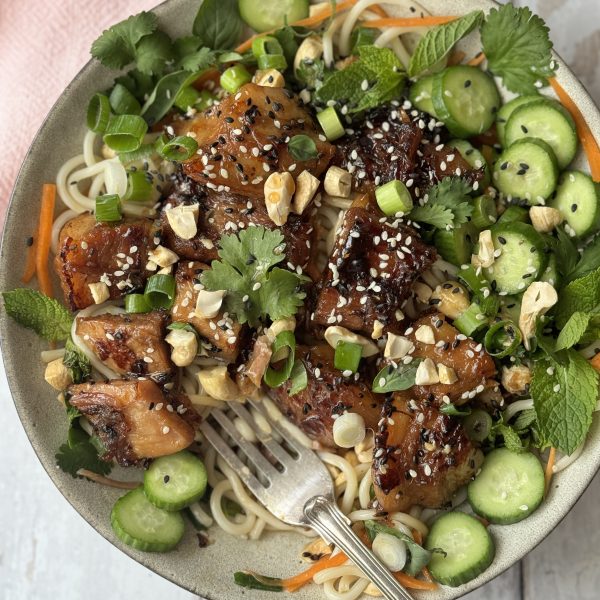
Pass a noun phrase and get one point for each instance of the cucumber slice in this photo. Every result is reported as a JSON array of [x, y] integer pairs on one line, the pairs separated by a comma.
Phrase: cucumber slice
[[509, 487], [140, 524], [466, 99], [475, 159], [545, 120], [527, 170], [514, 213], [522, 257], [507, 110], [468, 546], [420, 95], [484, 212], [271, 14], [175, 481], [578, 201], [510, 307], [456, 245]]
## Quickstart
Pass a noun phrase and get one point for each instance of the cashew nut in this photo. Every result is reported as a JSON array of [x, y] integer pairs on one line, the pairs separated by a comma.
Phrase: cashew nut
[[279, 189], [538, 298]]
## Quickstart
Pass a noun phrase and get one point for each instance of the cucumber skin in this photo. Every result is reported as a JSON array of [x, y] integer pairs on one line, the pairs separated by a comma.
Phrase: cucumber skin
[[424, 84], [293, 13], [502, 117], [465, 577]]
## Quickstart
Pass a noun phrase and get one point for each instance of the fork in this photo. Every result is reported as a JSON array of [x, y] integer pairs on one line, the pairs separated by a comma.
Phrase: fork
[[297, 489]]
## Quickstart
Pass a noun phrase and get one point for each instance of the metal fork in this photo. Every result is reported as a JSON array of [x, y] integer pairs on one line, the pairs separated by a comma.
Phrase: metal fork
[[297, 488]]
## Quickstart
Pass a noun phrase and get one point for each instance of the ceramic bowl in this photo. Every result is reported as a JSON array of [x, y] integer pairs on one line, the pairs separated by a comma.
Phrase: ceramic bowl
[[208, 572]]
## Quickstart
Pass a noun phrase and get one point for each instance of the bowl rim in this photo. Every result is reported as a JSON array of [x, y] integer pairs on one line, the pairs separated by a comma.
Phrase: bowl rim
[[162, 10]]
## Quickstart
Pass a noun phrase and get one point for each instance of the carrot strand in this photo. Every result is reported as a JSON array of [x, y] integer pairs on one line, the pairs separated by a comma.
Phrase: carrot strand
[[407, 22], [291, 584], [44, 238], [549, 466], [413, 583], [477, 60], [29, 271]]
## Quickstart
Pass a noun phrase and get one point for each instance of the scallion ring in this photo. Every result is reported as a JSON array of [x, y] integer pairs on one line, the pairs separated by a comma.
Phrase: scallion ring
[[266, 44], [125, 133], [347, 356], [272, 61], [234, 78], [331, 124], [471, 321], [272, 377], [98, 113], [187, 97], [478, 425], [137, 303], [108, 208], [123, 102], [502, 339], [139, 186], [160, 290], [179, 148]]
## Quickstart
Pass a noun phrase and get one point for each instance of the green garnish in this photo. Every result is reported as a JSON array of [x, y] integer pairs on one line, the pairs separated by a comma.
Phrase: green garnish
[[108, 208], [80, 453], [298, 378], [453, 411], [77, 362], [276, 377], [396, 379], [160, 290], [302, 147], [218, 24], [347, 356]]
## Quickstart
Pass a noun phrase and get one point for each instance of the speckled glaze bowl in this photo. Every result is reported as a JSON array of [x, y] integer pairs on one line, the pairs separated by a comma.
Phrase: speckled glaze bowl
[[209, 572]]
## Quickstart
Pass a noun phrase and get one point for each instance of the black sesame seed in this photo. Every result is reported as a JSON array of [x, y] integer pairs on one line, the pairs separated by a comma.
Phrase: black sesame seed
[[573, 207], [468, 83], [521, 172], [524, 129], [229, 119], [166, 479], [502, 240], [29, 241], [504, 166], [439, 323]]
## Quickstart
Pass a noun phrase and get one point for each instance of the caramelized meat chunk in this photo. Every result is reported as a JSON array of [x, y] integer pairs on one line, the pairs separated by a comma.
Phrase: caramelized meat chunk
[[472, 364], [244, 138], [131, 344], [370, 272], [421, 456], [222, 213], [221, 337], [91, 252], [327, 394], [136, 419]]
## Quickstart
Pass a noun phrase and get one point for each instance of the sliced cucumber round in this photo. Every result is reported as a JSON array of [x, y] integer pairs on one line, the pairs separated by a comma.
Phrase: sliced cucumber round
[[527, 170], [456, 245], [509, 487], [484, 212], [140, 524], [467, 545], [271, 14], [475, 159], [466, 99], [545, 120], [420, 95], [577, 198], [521, 257], [507, 110], [176, 481]]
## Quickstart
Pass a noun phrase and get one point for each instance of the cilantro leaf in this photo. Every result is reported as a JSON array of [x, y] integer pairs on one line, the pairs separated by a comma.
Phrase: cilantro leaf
[[378, 68], [153, 52], [581, 295], [47, 317], [77, 362], [438, 41], [518, 48], [199, 60], [80, 453], [218, 24], [448, 204], [255, 290], [302, 147], [573, 330], [564, 399]]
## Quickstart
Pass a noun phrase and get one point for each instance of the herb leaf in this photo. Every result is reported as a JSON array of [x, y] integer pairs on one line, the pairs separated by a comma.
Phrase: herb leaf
[[80, 453], [302, 147], [218, 24], [47, 317], [199, 60], [564, 398], [573, 330], [163, 96], [512, 441], [581, 295], [152, 52], [518, 48], [77, 362], [589, 261], [450, 409], [391, 379], [565, 252], [438, 42]]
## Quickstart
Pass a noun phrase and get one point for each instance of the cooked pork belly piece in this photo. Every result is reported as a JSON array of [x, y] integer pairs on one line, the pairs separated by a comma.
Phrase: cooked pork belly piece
[[472, 365], [370, 272], [222, 213], [327, 394], [136, 419], [114, 254], [394, 144], [244, 138], [222, 336], [421, 456], [131, 344]]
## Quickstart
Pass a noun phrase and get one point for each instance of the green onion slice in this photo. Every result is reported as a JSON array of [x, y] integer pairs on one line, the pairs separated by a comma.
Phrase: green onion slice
[[331, 124], [187, 97], [274, 378], [139, 186], [502, 339], [393, 198], [266, 44], [347, 356], [272, 61], [125, 133], [471, 321], [123, 102], [137, 303], [160, 290], [454, 411], [234, 78], [179, 148], [142, 153], [98, 113], [108, 208], [478, 425]]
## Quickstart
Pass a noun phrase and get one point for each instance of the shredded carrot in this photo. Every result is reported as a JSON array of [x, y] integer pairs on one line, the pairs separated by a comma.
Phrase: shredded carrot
[[456, 58], [417, 536], [477, 60], [549, 465], [589, 143], [291, 584], [595, 362], [44, 238], [408, 22], [412, 583], [29, 271], [378, 11]]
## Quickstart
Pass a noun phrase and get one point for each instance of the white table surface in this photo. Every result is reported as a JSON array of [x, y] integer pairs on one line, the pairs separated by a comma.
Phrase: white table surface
[[47, 551]]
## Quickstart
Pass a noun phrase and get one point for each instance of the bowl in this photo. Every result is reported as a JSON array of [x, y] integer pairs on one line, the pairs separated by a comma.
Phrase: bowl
[[208, 572]]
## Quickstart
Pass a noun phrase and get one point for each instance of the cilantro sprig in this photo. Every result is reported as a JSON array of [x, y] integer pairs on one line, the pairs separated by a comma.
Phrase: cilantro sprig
[[256, 288]]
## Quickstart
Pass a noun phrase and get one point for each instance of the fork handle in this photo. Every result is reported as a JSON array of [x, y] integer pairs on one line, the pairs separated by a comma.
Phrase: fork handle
[[326, 518]]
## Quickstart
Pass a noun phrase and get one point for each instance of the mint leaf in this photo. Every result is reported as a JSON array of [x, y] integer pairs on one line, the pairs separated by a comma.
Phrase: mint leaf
[[565, 251], [524, 420], [47, 317], [453, 411], [518, 48], [396, 379], [565, 394], [77, 362], [218, 24], [302, 147], [512, 441], [439, 41], [447, 205], [581, 295], [153, 52], [573, 330], [164, 93], [589, 261]]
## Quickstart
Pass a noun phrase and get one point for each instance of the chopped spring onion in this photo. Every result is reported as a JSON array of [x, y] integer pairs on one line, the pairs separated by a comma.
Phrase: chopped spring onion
[[234, 78], [472, 280], [187, 97], [139, 186], [254, 581], [348, 430], [108, 208], [471, 321], [123, 102], [390, 550], [272, 61], [484, 212], [393, 198], [137, 303], [125, 133], [502, 339], [347, 356], [453, 411], [179, 148], [142, 153], [266, 44], [331, 124], [206, 100], [98, 113], [160, 290], [478, 425], [272, 377]]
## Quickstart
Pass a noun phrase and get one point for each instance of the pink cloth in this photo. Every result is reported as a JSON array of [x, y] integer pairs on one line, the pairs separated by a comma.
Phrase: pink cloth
[[43, 44]]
